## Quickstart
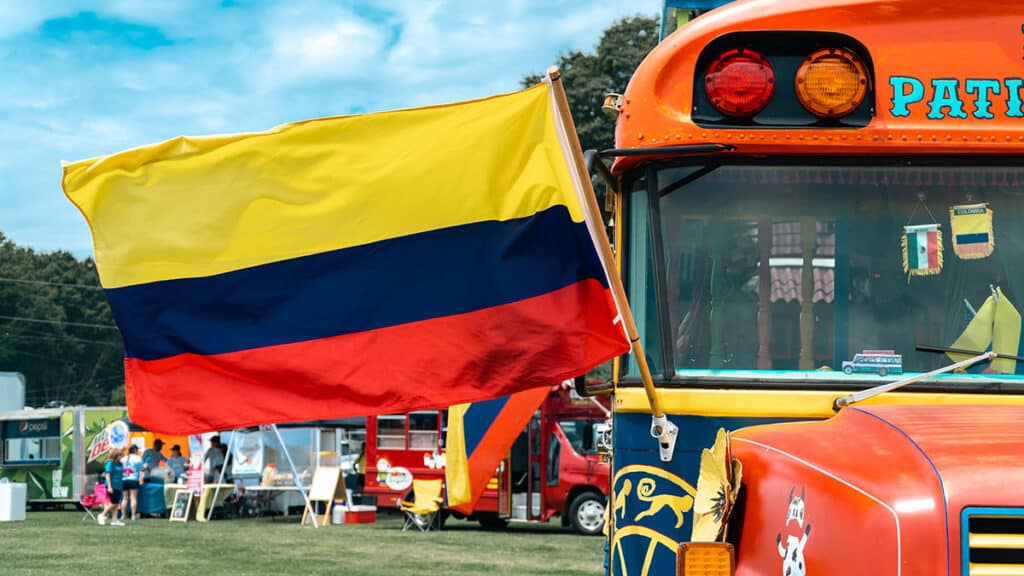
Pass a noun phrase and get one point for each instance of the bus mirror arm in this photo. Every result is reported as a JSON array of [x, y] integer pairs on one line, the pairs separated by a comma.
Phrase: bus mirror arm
[[666, 433]]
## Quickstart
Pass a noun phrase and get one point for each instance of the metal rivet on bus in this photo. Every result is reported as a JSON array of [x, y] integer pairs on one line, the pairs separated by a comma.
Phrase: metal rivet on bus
[[934, 138], [965, 138], [1009, 138], [904, 137], [919, 137], [993, 138], [640, 136]]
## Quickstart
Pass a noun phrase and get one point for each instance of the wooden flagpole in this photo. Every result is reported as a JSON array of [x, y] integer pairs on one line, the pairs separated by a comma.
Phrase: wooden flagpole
[[608, 257]]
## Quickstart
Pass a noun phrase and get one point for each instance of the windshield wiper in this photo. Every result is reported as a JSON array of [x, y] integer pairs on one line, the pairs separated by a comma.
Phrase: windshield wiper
[[877, 390]]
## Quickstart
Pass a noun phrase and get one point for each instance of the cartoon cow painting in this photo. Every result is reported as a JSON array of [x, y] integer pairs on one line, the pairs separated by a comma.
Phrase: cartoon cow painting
[[796, 507], [793, 552]]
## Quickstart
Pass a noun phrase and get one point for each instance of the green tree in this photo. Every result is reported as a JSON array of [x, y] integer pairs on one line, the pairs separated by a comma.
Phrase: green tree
[[57, 329], [588, 77]]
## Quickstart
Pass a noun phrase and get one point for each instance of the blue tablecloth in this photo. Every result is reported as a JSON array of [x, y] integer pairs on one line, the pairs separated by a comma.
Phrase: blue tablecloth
[[151, 498]]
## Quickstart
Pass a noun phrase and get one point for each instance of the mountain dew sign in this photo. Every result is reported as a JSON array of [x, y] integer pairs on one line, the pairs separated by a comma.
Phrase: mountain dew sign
[[56, 453]]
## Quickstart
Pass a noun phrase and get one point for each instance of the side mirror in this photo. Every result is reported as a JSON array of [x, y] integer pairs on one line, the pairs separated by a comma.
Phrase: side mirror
[[583, 388], [603, 440]]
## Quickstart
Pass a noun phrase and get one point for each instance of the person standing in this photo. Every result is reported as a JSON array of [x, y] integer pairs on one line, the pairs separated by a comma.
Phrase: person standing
[[132, 472], [213, 460], [177, 463], [152, 457], [113, 479]]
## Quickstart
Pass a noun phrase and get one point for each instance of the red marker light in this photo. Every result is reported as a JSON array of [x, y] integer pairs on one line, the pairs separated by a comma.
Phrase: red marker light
[[740, 83]]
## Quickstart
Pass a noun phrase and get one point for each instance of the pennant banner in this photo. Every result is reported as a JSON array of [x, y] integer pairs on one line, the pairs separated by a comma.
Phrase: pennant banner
[[972, 232], [349, 266], [922, 249]]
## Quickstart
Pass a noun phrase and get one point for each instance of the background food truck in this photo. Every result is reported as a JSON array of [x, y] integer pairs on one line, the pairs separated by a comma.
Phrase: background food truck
[[57, 452], [552, 469]]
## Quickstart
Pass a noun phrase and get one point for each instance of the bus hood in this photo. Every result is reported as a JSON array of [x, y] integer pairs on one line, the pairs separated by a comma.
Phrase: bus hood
[[892, 479]]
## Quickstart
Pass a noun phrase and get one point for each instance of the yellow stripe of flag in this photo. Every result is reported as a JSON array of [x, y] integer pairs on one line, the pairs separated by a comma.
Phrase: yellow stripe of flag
[[193, 207]]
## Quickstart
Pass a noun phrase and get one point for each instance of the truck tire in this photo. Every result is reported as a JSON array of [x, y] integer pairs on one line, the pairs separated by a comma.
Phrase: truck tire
[[586, 513], [491, 521], [847, 370]]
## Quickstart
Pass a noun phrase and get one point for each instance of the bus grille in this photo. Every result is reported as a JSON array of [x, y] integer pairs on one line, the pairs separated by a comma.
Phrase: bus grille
[[993, 541]]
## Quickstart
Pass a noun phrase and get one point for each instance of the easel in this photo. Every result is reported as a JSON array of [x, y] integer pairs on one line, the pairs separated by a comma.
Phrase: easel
[[325, 489]]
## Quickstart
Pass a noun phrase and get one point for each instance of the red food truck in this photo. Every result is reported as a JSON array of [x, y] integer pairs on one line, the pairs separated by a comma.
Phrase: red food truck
[[551, 469]]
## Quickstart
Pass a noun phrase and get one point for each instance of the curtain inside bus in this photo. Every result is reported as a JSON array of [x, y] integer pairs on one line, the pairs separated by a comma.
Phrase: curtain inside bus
[[798, 268]]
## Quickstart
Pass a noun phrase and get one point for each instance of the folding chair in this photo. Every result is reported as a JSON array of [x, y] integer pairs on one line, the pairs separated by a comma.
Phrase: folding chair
[[424, 512], [90, 501]]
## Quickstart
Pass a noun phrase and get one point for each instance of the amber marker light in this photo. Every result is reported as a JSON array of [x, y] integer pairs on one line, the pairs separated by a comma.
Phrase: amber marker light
[[705, 559], [740, 83], [831, 83]]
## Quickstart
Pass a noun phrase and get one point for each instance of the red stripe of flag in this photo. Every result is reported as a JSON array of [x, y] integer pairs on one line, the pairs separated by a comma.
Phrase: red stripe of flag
[[933, 249]]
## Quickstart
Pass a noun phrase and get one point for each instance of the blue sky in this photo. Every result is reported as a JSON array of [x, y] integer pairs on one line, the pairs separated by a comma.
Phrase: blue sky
[[84, 79]]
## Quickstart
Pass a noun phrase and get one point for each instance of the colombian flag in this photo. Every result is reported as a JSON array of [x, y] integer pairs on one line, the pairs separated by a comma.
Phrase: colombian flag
[[479, 436], [351, 265]]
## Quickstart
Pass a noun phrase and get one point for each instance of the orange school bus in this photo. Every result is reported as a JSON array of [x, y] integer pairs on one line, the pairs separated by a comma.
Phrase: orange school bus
[[797, 182]]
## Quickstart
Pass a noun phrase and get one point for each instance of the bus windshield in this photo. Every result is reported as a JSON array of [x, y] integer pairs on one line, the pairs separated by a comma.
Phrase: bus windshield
[[799, 267]]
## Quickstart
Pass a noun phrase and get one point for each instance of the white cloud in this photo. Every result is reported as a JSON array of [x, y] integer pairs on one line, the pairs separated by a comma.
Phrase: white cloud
[[244, 68]]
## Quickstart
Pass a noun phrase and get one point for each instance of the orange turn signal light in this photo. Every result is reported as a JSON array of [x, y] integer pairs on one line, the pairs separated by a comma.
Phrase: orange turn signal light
[[831, 82], [705, 559]]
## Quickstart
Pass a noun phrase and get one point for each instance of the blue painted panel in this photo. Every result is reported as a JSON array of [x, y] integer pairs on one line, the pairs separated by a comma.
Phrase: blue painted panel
[[648, 492]]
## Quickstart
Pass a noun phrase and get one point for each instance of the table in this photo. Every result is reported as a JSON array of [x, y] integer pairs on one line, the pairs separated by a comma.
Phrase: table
[[152, 498], [265, 495], [207, 496]]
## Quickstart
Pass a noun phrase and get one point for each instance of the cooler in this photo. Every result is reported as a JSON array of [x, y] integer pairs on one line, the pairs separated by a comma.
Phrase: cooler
[[12, 501], [361, 515]]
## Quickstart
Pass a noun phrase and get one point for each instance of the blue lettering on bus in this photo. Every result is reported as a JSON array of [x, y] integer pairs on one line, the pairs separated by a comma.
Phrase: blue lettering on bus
[[1013, 103], [901, 98], [948, 97], [983, 88], [945, 96]]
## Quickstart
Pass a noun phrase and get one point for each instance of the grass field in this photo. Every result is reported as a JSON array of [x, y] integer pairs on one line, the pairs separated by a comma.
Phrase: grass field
[[52, 543]]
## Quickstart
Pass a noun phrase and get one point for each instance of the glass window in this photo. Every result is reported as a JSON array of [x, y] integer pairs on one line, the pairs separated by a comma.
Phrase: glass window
[[800, 268], [391, 432], [423, 430], [30, 450], [299, 443], [580, 434], [31, 441]]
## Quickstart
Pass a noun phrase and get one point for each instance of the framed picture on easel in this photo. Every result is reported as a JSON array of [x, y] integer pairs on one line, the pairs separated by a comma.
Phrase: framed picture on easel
[[182, 506]]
